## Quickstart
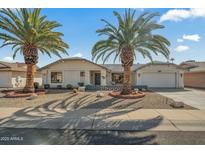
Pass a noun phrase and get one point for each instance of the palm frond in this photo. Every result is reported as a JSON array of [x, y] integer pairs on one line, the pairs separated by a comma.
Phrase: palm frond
[[28, 26], [135, 34]]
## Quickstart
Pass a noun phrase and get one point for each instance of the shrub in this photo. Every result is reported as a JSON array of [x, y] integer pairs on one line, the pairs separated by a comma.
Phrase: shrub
[[46, 86], [69, 86], [81, 84], [36, 85], [75, 90]]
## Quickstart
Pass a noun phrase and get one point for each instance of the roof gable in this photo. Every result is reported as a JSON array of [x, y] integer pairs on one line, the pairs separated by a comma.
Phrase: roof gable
[[159, 63], [6, 66], [200, 67], [119, 67], [71, 59], [193, 66]]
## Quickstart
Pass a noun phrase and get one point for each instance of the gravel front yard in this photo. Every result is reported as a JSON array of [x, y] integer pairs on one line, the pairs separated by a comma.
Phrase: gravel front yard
[[67, 99]]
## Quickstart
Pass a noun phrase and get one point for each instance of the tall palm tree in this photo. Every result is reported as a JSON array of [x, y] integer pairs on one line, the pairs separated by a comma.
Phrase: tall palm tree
[[130, 36], [29, 33]]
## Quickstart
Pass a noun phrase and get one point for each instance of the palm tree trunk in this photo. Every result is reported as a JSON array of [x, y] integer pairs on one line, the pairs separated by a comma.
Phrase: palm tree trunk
[[127, 89], [31, 68]]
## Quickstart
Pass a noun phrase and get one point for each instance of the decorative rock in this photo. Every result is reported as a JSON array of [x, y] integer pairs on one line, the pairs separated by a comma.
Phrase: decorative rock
[[33, 96], [81, 89], [100, 94], [177, 104]]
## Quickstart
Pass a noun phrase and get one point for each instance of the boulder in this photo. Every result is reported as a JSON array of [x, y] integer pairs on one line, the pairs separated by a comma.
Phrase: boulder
[[100, 94], [177, 104], [81, 89], [32, 96]]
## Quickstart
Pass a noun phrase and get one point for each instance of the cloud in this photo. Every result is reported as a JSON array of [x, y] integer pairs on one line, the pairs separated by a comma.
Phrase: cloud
[[181, 14], [194, 37], [8, 59], [180, 40], [181, 48], [78, 55]]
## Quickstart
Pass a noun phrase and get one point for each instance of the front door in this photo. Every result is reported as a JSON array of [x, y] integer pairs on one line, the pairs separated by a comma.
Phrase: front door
[[97, 79]]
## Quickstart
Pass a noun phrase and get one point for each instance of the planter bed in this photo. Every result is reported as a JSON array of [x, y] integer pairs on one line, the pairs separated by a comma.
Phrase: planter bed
[[133, 95], [17, 94]]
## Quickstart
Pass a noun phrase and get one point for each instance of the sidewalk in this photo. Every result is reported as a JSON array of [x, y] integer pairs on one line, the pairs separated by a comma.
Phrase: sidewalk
[[107, 119]]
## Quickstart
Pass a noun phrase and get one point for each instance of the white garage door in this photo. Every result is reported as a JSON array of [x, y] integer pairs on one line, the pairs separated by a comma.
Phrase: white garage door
[[72, 77], [160, 80], [5, 80]]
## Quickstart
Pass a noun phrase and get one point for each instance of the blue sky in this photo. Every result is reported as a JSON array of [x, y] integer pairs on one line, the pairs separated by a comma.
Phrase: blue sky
[[183, 27]]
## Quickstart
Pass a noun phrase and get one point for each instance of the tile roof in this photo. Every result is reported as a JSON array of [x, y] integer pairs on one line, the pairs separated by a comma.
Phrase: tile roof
[[159, 63], [193, 66], [119, 68], [200, 67], [6, 66], [72, 58]]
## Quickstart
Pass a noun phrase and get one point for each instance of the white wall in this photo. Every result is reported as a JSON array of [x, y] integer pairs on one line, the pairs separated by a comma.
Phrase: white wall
[[164, 69]]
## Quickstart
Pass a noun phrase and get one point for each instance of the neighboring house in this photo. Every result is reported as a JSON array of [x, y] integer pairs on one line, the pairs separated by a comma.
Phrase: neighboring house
[[194, 75], [14, 75], [75, 70]]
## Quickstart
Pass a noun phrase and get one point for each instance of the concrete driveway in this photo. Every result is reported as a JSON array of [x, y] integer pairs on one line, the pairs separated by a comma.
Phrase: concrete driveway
[[192, 97]]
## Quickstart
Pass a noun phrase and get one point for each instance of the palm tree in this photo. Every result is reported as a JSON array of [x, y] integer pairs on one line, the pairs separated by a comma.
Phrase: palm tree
[[29, 33], [130, 36]]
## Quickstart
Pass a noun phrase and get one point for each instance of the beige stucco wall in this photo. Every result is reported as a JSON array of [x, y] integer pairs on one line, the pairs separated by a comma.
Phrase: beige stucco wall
[[22, 79], [9, 79], [5, 79], [164, 69], [194, 79], [73, 65]]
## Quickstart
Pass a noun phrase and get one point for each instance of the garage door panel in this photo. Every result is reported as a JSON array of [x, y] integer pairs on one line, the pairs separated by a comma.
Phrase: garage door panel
[[163, 80], [4, 79]]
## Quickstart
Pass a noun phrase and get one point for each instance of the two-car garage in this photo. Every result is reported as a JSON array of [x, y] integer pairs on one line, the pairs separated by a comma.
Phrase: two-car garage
[[160, 80], [160, 75]]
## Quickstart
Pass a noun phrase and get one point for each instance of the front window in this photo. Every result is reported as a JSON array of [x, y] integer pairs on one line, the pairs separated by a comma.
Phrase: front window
[[82, 74], [117, 78], [56, 77]]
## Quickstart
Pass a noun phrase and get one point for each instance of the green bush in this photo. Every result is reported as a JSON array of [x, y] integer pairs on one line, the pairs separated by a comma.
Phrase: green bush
[[69, 86], [36, 85], [81, 84]]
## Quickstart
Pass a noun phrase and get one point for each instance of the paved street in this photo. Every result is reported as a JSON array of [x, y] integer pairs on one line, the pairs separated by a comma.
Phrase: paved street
[[192, 97], [104, 119], [86, 137]]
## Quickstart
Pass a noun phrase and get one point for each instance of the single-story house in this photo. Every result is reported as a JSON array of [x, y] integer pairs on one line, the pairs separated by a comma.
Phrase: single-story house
[[194, 75], [13, 75], [75, 70], [72, 71]]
